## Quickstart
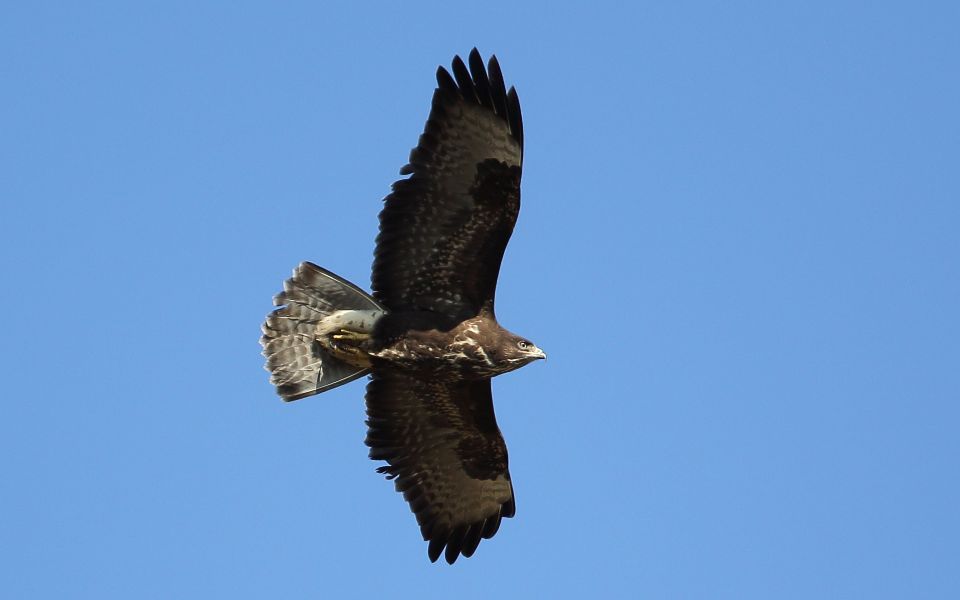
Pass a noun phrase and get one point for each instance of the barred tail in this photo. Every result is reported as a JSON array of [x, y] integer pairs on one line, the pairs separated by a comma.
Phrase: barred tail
[[299, 367]]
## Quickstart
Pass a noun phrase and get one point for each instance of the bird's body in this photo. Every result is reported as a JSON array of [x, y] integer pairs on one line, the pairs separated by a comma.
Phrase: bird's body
[[428, 334], [470, 349]]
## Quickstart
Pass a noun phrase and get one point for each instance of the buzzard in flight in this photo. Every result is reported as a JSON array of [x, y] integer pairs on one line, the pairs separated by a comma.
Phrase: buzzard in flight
[[427, 336]]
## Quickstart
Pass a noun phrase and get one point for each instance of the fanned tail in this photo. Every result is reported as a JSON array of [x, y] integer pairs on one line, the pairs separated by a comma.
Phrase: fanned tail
[[298, 365]]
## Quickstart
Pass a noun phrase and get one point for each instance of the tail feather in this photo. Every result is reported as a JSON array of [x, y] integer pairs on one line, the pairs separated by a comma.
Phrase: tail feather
[[299, 366]]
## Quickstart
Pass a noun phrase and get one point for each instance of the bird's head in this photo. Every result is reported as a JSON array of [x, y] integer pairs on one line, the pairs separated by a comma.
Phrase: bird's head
[[519, 351]]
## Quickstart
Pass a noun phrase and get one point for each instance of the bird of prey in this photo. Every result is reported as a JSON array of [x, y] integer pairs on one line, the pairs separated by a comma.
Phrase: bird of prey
[[427, 336]]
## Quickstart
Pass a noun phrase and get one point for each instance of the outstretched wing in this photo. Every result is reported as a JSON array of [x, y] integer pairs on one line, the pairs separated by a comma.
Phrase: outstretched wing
[[446, 454], [444, 229]]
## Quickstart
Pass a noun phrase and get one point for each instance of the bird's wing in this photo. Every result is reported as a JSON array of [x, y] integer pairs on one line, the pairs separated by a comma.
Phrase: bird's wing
[[443, 230], [446, 454]]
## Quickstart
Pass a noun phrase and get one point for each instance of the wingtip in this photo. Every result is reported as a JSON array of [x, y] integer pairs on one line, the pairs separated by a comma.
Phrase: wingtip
[[482, 85], [445, 81], [455, 543], [435, 549], [475, 55]]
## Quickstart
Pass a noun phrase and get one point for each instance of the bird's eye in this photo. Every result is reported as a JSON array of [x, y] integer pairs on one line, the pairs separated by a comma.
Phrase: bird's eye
[[522, 344]]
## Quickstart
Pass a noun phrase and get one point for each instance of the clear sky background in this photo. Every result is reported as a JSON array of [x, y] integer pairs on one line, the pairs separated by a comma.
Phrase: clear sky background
[[738, 245]]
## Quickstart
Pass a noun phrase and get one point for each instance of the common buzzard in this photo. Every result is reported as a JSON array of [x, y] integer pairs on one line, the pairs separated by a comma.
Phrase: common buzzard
[[428, 335]]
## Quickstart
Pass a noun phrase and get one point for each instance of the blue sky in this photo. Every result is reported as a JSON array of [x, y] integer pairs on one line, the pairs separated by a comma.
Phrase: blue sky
[[738, 245]]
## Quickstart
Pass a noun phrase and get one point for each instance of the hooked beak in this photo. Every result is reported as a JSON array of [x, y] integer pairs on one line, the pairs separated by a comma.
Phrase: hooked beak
[[538, 353]]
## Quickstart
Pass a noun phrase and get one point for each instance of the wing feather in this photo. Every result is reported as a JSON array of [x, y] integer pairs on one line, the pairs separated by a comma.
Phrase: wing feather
[[445, 454], [444, 229]]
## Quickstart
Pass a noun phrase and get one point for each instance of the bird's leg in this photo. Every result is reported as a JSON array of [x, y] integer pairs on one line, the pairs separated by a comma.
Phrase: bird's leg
[[351, 335], [346, 334], [348, 346]]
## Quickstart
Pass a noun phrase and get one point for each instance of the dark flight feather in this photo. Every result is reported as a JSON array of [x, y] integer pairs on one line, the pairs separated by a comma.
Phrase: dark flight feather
[[445, 454], [464, 81], [443, 230], [481, 83]]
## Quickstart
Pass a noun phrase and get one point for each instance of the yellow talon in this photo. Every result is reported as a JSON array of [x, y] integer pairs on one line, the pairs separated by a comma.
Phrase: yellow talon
[[347, 334]]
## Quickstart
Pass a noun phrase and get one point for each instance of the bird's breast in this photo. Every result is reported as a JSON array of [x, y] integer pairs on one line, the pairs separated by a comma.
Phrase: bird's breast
[[460, 353]]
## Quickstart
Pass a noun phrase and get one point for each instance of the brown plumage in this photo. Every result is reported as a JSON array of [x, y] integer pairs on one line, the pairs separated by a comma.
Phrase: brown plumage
[[428, 335]]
